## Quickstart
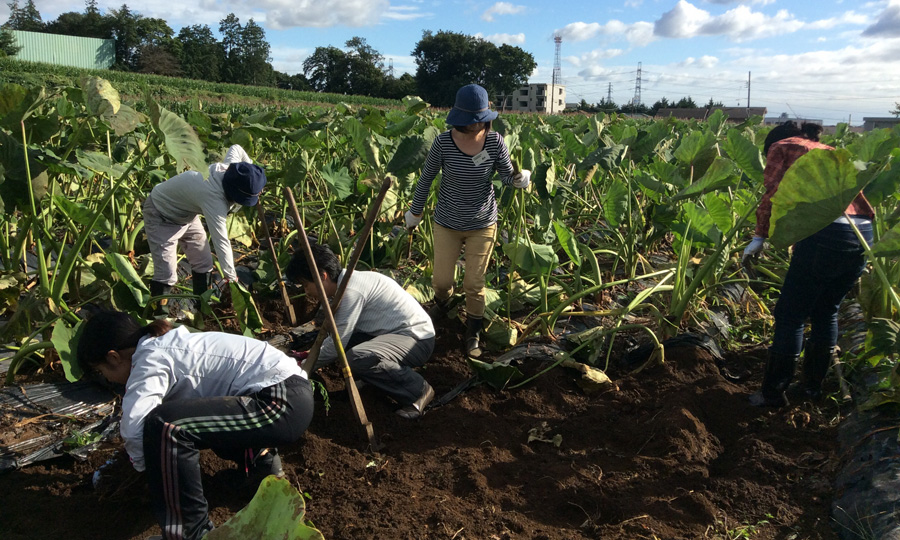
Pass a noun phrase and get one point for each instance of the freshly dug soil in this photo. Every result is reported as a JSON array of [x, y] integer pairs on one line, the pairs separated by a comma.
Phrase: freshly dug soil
[[674, 452]]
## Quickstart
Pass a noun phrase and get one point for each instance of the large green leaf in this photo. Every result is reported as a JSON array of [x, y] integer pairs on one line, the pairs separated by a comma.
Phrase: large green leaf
[[693, 145], [276, 512], [121, 266], [409, 156], [239, 229], [100, 96], [362, 142], [245, 310], [496, 375], [65, 341], [338, 180], [530, 257], [181, 142], [545, 179], [125, 120], [14, 189], [615, 203], [81, 214], [746, 154], [607, 157], [11, 98], [721, 174], [99, 162], [889, 244], [815, 191], [568, 242]]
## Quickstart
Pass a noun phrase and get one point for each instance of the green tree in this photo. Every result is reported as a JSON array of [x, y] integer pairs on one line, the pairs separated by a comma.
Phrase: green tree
[[366, 68], [8, 45], [292, 82], [26, 18], [444, 63], [399, 87], [606, 105], [88, 24], [200, 54], [124, 29], [326, 70], [448, 60], [712, 104], [230, 29], [685, 103], [254, 56], [896, 111], [662, 103], [507, 69]]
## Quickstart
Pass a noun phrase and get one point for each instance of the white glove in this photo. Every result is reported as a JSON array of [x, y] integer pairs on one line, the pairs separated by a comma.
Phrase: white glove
[[755, 247], [522, 179], [412, 220]]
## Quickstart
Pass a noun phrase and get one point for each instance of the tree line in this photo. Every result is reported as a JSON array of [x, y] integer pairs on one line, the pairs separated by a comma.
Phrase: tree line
[[445, 60], [610, 106]]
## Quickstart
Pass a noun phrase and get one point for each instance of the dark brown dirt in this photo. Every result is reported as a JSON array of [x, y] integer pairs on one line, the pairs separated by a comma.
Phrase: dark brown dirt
[[674, 453]]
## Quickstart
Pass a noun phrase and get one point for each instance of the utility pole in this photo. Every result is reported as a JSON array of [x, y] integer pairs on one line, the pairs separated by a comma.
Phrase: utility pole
[[748, 94], [609, 94]]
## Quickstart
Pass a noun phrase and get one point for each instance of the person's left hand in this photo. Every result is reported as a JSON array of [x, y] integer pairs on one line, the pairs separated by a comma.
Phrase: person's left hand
[[522, 179]]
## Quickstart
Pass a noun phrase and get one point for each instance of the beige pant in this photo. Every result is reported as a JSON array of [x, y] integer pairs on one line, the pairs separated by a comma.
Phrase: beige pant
[[479, 245], [165, 236]]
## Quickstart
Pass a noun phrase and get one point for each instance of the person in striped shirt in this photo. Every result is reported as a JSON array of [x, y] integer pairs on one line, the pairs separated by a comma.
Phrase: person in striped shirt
[[467, 156], [187, 391]]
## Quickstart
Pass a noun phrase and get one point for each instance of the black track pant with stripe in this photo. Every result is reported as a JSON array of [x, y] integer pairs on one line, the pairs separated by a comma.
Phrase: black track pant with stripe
[[176, 431]]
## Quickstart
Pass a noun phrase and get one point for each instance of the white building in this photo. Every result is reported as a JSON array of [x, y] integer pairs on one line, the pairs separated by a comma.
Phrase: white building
[[543, 98]]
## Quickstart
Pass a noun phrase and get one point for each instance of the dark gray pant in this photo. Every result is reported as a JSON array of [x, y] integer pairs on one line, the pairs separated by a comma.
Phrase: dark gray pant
[[386, 362]]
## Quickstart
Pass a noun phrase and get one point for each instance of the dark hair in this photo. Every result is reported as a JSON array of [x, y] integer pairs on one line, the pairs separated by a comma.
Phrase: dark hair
[[781, 132], [811, 131], [326, 261], [807, 130], [469, 129], [112, 331]]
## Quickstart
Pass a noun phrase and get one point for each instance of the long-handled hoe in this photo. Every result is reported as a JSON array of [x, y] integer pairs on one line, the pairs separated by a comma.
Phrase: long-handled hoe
[[355, 400], [284, 294]]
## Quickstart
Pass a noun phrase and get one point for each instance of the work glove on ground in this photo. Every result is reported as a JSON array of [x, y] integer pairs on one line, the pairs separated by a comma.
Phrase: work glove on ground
[[755, 247], [522, 179], [412, 220]]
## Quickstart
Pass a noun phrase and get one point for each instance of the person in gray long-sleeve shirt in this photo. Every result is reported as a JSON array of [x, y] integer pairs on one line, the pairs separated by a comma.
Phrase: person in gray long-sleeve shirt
[[383, 329]]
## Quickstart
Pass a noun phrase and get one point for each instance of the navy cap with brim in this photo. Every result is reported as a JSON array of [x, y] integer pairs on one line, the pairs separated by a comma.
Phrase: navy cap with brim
[[243, 183], [462, 117]]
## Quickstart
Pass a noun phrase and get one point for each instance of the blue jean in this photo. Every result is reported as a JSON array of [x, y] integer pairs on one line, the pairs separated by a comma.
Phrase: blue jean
[[824, 267]]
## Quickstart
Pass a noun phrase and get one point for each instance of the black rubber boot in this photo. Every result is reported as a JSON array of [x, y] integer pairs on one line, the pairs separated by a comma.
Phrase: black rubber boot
[[474, 325], [776, 379], [161, 306], [816, 361], [200, 281], [438, 312]]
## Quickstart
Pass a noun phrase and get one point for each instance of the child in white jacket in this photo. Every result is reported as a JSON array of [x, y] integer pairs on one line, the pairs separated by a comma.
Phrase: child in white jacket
[[185, 392]]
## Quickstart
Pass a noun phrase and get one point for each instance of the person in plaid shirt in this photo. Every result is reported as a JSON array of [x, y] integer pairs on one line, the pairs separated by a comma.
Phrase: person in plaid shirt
[[824, 267]]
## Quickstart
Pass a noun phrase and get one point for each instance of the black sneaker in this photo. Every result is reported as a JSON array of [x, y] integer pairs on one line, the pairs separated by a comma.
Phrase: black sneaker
[[267, 463]]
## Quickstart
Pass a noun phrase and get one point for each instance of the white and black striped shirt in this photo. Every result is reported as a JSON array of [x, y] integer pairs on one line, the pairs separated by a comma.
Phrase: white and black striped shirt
[[466, 195]]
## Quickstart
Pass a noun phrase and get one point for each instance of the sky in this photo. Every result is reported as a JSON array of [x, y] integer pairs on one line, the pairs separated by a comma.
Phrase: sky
[[832, 60]]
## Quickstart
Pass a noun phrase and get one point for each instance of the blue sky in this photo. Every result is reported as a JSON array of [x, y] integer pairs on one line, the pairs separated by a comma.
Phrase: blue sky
[[835, 60]]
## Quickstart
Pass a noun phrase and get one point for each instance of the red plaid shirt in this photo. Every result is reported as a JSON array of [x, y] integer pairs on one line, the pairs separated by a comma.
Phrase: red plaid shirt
[[781, 156]]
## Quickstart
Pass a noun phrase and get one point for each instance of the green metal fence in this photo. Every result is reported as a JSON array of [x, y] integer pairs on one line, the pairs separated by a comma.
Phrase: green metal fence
[[88, 53]]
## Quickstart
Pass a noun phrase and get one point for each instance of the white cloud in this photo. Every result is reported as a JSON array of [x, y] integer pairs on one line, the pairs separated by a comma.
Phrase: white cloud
[[594, 57], [500, 39], [281, 14], [888, 23], [501, 8], [739, 24], [850, 17], [289, 59], [704, 61], [404, 13], [639, 33]]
